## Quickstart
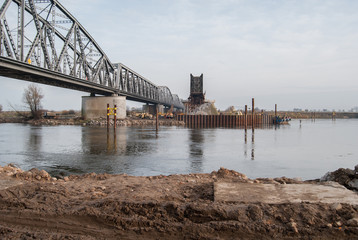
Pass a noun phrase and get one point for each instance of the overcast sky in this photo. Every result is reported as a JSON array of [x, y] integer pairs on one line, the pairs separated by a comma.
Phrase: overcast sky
[[298, 54]]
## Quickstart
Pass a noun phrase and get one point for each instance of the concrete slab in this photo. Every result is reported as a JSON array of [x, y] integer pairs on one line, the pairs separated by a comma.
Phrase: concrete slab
[[283, 193]]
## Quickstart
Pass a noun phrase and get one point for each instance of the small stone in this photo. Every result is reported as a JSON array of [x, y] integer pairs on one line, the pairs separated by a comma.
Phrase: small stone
[[293, 225], [329, 225], [38, 177], [338, 223], [336, 206], [353, 222], [353, 184], [44, 174], [92, 174], [66, 179], [254, 212], [54, 179], [327, 177]]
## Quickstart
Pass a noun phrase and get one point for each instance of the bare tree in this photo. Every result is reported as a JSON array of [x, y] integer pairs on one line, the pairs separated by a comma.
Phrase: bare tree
[[0, 108], [32, 98]]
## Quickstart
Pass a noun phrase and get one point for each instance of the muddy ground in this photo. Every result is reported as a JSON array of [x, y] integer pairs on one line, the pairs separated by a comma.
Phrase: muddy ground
[[33, 205]]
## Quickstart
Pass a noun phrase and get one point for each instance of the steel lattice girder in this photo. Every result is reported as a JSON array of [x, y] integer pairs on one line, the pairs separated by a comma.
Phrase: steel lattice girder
[[69, 53]]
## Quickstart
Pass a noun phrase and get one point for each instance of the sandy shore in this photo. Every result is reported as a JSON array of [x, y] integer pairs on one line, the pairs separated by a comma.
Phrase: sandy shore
[[221, 205]]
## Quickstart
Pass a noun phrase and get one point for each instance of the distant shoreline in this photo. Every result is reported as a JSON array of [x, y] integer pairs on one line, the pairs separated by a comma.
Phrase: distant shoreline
[[317, 115], [13, 117]]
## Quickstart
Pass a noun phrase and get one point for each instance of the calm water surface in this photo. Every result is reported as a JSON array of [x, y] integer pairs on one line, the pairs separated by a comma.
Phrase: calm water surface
[[307, 150]]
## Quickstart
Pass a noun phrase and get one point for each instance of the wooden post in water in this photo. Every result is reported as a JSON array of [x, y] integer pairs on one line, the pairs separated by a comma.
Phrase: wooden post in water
[[253, 113], [245, 120], [275, 110], [107, 115], [157, 117], [115, 117]]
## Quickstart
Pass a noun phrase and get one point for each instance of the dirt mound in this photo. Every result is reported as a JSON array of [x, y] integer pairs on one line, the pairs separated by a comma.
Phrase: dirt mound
[[103, 206], [226, 173]]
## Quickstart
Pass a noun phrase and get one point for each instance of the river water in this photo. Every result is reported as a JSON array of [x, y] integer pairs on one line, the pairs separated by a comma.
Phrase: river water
[[306, 149]]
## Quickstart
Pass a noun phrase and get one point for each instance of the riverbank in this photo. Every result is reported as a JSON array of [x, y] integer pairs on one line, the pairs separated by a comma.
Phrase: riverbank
[[317, 115], [129, 121], [33, 204]]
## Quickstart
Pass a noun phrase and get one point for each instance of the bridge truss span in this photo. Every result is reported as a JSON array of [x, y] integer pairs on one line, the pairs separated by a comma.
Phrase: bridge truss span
[[40, 41]]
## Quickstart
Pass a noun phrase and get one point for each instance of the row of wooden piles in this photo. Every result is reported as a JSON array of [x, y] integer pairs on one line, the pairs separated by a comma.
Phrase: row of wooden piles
[[225, 121]]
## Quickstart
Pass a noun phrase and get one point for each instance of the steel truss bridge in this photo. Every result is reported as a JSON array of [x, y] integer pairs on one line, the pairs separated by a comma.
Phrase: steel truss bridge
[[40, 41]]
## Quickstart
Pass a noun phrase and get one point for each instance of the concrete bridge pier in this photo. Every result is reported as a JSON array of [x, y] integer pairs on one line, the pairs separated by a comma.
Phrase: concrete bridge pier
[[96, 106], [151, 109]]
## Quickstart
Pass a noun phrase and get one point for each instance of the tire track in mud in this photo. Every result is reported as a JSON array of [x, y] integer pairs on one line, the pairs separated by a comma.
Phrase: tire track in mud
[[65, 225]]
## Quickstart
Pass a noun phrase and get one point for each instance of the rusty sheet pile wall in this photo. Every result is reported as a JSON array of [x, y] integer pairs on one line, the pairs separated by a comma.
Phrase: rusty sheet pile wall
[[227, 121]]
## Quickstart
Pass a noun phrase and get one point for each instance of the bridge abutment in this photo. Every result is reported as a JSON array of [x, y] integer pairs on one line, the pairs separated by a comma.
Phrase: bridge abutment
[[96, 107]]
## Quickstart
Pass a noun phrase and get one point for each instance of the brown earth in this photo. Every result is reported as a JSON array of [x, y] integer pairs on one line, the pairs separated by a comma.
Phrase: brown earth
[[33, 205]]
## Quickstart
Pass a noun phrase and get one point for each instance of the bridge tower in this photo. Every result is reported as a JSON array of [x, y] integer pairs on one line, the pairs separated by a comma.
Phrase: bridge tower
[[197, 95]]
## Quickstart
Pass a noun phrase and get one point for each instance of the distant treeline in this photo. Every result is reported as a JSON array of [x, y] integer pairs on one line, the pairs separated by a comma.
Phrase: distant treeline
[[323, 115]]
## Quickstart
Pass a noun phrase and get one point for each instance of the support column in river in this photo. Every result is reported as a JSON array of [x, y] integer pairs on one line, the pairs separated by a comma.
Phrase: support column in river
[[96, 106], [151, 109]]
